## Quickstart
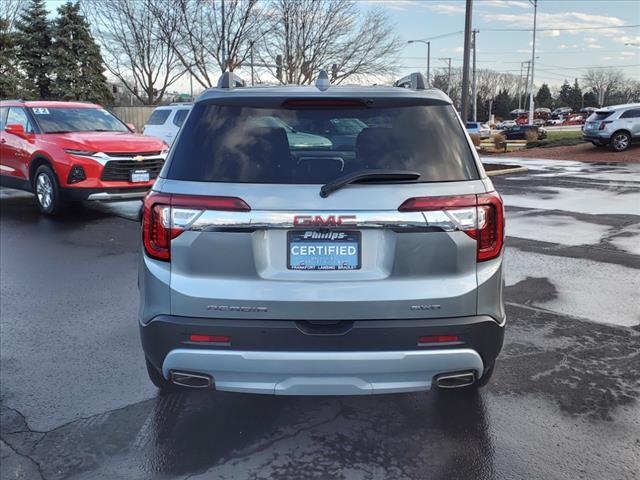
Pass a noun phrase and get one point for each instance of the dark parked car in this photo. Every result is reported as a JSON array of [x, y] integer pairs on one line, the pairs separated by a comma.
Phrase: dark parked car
[[519, 132]]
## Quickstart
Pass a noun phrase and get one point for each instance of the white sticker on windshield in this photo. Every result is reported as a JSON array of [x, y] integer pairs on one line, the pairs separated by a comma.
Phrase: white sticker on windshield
[[41, 111]]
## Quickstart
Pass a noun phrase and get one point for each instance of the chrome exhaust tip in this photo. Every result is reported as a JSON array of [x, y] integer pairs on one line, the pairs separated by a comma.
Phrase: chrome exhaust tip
[[190, 380], [455, 380]]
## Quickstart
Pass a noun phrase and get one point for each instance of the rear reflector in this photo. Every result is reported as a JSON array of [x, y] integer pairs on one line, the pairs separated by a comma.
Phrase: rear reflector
[[165, 216], [209, 338], [479, 216], [437, 339]]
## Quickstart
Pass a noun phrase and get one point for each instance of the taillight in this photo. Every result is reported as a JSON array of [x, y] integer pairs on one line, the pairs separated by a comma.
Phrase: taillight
[[490, 232], [603, 125], [479, 216], [165, 216]]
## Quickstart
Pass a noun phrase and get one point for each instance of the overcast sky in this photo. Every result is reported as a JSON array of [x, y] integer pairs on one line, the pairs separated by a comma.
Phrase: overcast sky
[[562, 54]]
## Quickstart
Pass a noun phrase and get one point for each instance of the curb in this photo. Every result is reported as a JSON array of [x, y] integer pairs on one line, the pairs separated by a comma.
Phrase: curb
[[506, 171]]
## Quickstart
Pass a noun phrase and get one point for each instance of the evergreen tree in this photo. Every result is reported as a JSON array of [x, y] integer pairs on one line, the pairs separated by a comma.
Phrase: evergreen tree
[[77, 63], [10, 79], [590, 99], [503, 104], [575, 96], [564, 98], [34, 43], [543, 97]]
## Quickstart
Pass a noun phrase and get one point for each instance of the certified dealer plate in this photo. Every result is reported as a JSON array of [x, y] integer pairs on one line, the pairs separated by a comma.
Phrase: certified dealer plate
[[323, 250]]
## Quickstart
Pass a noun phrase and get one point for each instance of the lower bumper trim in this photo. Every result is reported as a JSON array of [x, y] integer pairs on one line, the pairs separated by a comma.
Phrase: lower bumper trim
[[323, 373], [107, 196]]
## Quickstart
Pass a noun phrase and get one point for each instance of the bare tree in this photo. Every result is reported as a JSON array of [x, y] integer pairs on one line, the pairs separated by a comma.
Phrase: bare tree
[[604, 82], [210, 36], [130, 38], [629, 91], [9, 13], [309, 35]]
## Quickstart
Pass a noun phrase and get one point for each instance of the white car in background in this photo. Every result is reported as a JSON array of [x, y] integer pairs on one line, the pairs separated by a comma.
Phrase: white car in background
[[165, 121], [480, 129]]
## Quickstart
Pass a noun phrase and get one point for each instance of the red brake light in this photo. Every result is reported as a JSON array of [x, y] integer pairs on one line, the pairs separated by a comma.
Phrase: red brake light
[[424, 204], [491, 227], [159, 226], [322, 103], [488, 228]]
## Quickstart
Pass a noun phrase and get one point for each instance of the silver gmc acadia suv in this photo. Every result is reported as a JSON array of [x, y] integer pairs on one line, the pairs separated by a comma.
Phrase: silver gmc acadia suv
[[322, 240]]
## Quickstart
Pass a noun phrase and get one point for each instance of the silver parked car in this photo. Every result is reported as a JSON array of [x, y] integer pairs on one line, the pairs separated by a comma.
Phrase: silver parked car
[[372, 268], [617, 126], [478, 128]]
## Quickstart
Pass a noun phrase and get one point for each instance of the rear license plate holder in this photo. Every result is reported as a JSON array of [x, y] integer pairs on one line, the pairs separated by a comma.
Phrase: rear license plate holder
[[324, 250]]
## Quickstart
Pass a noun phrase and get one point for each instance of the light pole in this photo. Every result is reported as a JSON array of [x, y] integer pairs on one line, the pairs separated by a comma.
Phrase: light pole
[[473, 80], [428, 44], [533, 59], [633, 45], [465, 62]]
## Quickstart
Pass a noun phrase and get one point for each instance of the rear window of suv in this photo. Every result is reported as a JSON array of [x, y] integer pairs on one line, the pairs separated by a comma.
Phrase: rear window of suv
[[601, 115], [158, 117], [244, 144]]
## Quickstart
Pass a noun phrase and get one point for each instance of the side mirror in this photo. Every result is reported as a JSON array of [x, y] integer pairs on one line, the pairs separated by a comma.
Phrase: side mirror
[[17, 130], [132, 127]]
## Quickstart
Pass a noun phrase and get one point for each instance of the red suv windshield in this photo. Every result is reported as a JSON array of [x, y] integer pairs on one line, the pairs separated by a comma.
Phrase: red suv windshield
[[63, 120]]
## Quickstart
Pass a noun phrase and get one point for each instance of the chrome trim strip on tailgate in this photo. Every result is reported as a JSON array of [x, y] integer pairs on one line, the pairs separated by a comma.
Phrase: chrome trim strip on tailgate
[[390, 219]]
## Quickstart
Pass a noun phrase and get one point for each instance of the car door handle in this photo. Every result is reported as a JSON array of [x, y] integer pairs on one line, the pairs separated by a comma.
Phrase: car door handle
[[3, 140]]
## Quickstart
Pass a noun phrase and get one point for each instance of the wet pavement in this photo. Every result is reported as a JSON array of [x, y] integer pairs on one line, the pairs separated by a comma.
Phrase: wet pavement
[[564, 402]]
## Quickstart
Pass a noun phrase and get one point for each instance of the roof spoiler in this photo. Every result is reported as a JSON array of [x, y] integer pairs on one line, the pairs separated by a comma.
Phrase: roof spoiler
[[414, 81], [230, 80]]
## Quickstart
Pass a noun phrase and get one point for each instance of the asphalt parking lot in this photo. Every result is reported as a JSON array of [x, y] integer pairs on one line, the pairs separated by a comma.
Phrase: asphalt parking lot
[[564, 402]]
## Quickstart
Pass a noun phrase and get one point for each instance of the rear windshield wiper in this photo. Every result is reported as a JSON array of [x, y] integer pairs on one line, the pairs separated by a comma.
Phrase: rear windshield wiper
[[59, 131], [367, 175]]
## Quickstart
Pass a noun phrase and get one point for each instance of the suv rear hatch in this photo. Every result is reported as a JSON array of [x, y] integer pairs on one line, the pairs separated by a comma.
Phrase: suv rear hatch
[[238, 212]]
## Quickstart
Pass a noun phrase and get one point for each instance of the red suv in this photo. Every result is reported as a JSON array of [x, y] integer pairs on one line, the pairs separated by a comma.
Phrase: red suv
[[64, 151]]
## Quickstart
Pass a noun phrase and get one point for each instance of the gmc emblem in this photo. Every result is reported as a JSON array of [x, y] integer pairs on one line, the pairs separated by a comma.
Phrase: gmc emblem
[[321, 221]]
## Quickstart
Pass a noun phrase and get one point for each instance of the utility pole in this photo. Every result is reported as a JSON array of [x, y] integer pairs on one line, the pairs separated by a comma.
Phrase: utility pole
[[526, 83], [223, 40], [251, 60], [429, 64], [465, 63], [520, 87], [448, 60], [533, 60], [473, 81]]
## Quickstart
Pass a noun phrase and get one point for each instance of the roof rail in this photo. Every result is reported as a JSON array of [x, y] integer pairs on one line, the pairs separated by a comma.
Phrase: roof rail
[[230, 80], [414, 80]]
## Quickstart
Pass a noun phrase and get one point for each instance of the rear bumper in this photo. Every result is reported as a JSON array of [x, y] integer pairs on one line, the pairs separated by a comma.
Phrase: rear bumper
[[322, 358], [322, 373], [106, 194], [602, 140]]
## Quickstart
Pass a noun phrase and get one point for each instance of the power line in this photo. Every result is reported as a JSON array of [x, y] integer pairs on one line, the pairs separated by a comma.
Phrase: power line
[[587, 68], [555, 29]]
